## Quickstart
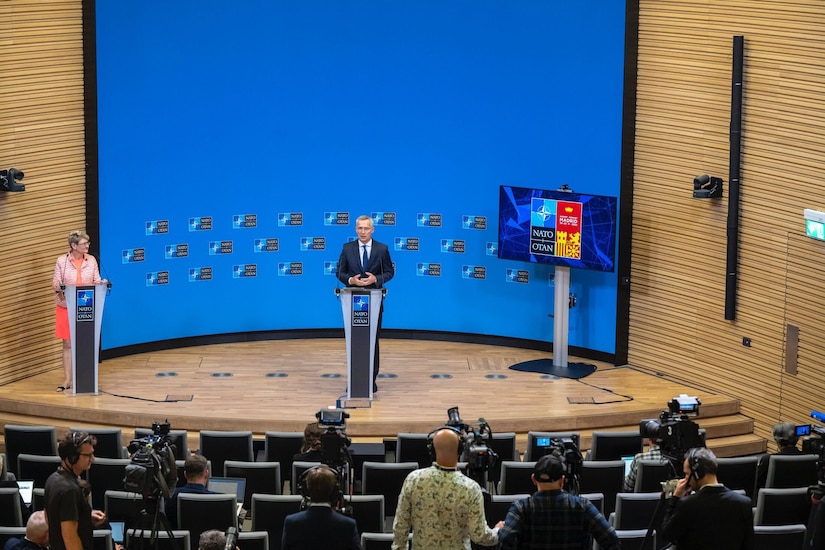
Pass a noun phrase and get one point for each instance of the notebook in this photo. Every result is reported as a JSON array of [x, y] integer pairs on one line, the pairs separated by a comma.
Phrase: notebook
[[26, 490], [229, 486]]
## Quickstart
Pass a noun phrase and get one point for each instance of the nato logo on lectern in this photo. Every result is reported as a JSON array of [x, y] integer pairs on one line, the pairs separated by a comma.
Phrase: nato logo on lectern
[[86, 305], [361, 310], [157, 227], [133, 255]]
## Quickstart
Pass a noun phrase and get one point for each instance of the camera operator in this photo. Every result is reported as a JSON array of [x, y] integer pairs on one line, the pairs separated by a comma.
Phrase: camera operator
[[443, 507], [320, 525], [784, 435], [552, 517], [70, 516], [654, 452], [311, 447], [197, 477], [713, 517]]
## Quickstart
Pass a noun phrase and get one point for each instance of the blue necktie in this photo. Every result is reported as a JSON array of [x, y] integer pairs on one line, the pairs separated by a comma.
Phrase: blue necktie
[[364, 259]]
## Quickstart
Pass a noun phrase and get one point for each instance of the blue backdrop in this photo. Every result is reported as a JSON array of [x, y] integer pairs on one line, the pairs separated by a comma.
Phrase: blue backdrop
[[238, 142]]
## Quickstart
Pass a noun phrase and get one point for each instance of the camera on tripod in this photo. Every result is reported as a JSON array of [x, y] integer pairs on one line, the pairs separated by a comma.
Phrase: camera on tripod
[[813, 443], [675, 433], [334, 441], [566, 448], [152, 471], [480, 458]]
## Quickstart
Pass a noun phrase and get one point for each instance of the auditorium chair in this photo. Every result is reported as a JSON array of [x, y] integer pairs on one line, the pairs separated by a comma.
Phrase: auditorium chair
[[788, 471], [268, 513], [603, 476], [412, 447], [738, 473], [38, 468], [253, 540], [651, 473], [498, 507], [634, 510], [220, 446], [367, 511], [280, 447], [614, 445], [109, 441], [771, 537], [381, 478], [596, 499], [7, 533], [142, 538], [782, 506], [124, 506], [261, 477], [516, 478], [106, 474], [10, 507], [34, 440], [102, 539], [201, 512]]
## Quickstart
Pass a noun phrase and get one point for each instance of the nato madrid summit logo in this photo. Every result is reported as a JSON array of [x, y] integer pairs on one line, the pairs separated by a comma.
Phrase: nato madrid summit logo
[[157, 227], [474, 222], [425, 219], [286, 219], [240, 221], [86, 305], [132, 255], [361, 310], [200, 223], [406, 243], [336, 218]]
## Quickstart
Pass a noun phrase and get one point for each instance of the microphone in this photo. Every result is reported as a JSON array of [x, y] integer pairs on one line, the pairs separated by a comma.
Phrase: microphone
[[818, 416], [231, 538]]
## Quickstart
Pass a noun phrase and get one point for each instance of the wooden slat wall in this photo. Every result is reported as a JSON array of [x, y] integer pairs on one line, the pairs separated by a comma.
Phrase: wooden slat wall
[[41, 133], [677, 323]]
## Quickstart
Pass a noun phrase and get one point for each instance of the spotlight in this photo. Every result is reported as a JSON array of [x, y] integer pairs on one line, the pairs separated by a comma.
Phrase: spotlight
[[707, 187], [9, 179]]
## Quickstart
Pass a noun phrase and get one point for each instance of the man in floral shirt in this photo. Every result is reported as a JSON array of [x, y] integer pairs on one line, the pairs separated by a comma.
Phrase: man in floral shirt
[[444, 508]]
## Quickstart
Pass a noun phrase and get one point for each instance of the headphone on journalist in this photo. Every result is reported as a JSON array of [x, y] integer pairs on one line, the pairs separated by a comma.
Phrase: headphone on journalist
[[69, 448], [431, 436], [697, 468], [335, 496]]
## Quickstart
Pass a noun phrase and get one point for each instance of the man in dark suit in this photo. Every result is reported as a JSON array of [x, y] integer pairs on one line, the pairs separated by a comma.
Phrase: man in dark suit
[[713, 517], [366, 263], [320, 525]]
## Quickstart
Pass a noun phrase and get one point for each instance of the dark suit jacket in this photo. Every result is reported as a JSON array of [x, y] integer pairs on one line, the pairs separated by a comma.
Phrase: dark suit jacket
[[380, 263], [712, 518], [320, 527]]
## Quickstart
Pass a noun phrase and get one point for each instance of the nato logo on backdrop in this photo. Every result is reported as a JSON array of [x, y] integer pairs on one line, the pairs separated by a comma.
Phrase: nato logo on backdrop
[[330, 268], [156, 278], [492, 248], [423, 269], [425, 219], [200, 274], [383, 218], [406, 243], [473, 272], [266, 245], [474, 222], [200, 223], [241, 221], [220, 247], [313, 243], [336, 218], [286, 219], [157, 227], [517, 275], [243, 271], [176, 251], [132, 255], [452, 245], [286, 269]]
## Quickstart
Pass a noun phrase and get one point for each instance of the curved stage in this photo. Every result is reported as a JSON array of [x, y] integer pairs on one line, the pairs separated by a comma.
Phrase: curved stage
[[279, 385]]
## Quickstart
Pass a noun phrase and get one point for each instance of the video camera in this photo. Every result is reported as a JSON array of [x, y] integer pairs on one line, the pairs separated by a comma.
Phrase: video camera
[[813, 443], [334, 441], [675, 433], [152, 471], [479, 457]]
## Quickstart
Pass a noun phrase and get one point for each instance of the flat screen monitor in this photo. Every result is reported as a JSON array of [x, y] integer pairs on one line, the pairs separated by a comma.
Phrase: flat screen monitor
[[557, 227]]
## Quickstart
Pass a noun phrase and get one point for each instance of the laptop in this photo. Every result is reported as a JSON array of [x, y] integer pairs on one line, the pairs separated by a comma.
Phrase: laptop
[[26, 490], [229, 486], [628, 460], [117, 531]]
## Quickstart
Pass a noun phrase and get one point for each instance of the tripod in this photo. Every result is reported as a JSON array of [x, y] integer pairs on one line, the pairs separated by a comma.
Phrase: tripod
[[152, 517]]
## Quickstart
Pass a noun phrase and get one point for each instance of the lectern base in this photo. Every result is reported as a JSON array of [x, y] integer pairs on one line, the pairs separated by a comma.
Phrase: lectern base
[[354, 402], [546, 366]]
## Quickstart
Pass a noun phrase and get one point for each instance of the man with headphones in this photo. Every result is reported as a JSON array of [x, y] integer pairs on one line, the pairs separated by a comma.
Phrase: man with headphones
[[552, 517], [443, 507], [70, 516], [713, 516], [784, 435], [320, 526]]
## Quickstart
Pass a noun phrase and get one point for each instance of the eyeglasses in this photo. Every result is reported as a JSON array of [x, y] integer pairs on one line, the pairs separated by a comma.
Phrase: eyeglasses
[[87, 243], [86, 454]]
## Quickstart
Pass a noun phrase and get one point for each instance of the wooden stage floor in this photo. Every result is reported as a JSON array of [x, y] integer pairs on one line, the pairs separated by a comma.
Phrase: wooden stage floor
[[180, 385]]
